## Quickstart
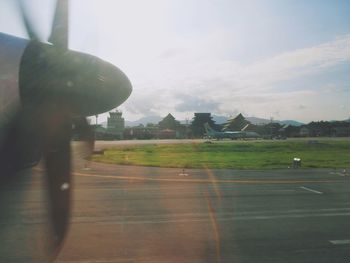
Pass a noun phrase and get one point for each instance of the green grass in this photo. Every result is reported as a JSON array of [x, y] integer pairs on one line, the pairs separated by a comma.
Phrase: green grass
[[236, 155]]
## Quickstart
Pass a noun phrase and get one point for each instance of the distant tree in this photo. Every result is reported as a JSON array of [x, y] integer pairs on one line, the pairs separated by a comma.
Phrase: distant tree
[[320, 128], [197, 124]]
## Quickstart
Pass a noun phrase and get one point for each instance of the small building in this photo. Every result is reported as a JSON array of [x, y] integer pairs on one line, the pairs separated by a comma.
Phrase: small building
[[304, 132], [290, 131], [170, 128], [341, 131], [140, 132], [167, 134], [116, 125], [169, 122]]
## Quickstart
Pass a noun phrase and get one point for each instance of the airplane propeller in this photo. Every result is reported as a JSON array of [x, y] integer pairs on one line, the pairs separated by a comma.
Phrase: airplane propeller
[[58, 88]]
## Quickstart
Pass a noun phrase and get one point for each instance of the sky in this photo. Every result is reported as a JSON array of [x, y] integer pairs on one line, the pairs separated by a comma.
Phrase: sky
[[285, 59]]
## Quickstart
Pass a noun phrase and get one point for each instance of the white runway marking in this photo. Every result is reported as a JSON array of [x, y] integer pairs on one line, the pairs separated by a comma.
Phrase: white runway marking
[[205, 217], [340, 242], [340, 173], [283, 190], [311, 190]]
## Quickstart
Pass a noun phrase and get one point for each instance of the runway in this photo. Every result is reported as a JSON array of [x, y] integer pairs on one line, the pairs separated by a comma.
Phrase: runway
[[147, 214]]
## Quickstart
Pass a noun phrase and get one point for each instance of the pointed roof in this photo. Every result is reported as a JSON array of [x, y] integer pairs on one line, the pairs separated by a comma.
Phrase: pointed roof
[[169, 117], [236, 124], [239, 117], [168, 122]]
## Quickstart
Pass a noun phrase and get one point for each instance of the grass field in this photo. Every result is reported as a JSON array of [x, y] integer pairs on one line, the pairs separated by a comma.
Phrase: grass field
[[235, 155]]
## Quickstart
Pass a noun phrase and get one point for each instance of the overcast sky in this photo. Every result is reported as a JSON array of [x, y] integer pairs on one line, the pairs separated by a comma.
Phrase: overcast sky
[[274, 58]]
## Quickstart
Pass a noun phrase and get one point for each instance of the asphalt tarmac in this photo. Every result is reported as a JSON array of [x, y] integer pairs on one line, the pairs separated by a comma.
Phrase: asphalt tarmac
[[145, 214]]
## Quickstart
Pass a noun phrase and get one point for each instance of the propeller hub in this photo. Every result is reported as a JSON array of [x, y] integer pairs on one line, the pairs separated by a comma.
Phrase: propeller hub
[[83, 83]]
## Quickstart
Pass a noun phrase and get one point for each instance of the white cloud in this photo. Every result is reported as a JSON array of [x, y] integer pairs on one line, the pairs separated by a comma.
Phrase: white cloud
[[171, 69], [196, 69], [301, 62]]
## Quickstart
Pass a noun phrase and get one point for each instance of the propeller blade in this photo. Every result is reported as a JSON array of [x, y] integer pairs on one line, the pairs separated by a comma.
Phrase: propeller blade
[[57, 158], [59, 188], [59, 31], [28, 25]]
